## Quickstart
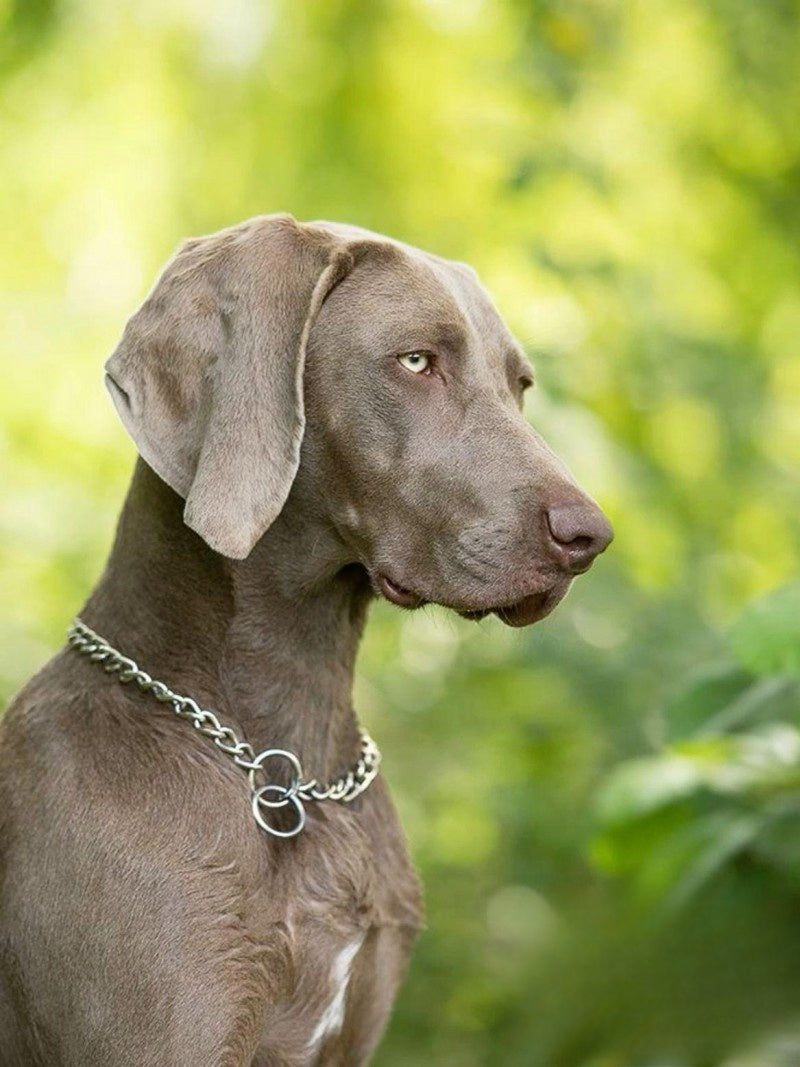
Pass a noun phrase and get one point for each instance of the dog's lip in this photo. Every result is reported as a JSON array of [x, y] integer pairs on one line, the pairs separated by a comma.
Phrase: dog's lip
[[528, 609], [398, 594], [522, 612]]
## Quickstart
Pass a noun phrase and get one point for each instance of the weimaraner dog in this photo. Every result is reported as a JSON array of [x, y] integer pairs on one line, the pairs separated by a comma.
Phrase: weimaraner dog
[[323, 416]]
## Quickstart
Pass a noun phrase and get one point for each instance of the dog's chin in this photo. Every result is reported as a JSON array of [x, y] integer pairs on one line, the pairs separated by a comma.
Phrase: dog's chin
[[532, 608], [529, 609]]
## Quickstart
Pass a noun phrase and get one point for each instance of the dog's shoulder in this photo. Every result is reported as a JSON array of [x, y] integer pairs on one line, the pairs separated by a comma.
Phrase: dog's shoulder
[[76, 746], [38, 715]]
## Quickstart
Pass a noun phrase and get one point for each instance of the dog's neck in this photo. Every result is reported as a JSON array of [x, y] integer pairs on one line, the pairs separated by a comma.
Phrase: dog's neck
[[268, 642]]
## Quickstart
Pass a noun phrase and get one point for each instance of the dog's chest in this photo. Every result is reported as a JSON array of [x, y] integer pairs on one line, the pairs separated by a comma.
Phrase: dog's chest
[[313, 1009], [341, 949], [338, 1000], [331, 1017]]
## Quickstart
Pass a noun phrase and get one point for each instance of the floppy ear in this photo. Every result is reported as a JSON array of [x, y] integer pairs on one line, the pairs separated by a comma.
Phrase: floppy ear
[[208, 376]]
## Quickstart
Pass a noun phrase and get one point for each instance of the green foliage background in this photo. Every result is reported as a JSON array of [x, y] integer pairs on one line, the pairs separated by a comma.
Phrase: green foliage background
[[604, 807]]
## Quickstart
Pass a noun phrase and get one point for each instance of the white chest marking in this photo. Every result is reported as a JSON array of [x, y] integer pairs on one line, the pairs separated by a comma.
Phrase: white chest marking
[[333, 1016]]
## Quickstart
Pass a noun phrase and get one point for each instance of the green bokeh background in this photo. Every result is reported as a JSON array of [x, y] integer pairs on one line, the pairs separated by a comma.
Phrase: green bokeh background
[[606, 807]]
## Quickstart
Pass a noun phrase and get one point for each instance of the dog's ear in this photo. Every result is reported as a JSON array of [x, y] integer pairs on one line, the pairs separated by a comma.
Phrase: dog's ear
[[208, 376]]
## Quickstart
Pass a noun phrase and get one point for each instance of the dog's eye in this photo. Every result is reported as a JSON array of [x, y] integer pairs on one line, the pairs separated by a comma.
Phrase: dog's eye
[[416, 362]]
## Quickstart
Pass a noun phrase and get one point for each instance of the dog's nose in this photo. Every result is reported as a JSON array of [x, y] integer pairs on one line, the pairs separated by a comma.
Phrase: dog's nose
[[578, 531]]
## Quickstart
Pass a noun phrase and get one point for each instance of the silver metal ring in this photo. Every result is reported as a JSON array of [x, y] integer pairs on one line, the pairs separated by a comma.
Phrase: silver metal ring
[[268, 753], [259, 800], [284, 798]]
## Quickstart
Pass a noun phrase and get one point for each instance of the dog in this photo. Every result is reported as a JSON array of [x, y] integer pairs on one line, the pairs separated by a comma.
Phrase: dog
[[323, 416]]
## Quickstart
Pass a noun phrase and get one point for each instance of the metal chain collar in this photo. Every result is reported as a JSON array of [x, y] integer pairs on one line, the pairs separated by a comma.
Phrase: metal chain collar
[[266, 798]]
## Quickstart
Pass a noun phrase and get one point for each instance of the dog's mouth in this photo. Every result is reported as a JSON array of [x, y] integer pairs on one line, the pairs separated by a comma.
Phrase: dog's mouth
[[398, 594], [523, 612]]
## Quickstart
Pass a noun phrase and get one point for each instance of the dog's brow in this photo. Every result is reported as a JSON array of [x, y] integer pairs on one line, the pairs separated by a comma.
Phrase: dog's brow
[[449, 335], [518, 366]]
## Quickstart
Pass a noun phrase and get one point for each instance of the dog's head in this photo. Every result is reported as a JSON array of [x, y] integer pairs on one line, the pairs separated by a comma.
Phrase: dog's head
[[372, 377]]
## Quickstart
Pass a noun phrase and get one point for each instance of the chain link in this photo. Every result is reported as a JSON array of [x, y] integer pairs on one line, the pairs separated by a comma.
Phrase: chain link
[[264, 798]]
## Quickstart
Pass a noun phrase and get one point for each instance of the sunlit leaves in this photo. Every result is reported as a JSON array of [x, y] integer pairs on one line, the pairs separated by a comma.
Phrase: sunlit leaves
[[624, 177]]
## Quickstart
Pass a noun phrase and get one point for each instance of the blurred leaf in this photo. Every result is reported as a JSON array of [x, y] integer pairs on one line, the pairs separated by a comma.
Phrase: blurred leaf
[[24, 28], [706, 696], [639, 787], [767, 637], [765, 700], [724, 838]]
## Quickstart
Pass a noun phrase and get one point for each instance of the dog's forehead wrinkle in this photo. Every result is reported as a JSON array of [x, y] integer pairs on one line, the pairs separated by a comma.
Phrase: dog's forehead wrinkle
[[390, 308], [489, 336], [457, 297]]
